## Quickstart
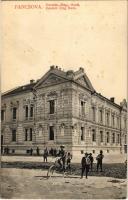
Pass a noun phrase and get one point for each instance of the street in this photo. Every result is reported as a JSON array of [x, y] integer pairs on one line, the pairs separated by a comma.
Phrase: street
[[27, 179]]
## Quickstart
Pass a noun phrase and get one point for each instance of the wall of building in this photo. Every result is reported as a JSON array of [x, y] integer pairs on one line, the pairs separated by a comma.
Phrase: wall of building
[[68, 120]]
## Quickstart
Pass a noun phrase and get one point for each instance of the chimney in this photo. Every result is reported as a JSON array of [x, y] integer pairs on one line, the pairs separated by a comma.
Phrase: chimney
[[32, 81], [52, 67], [70, 74], [112, 99], [81, 69]]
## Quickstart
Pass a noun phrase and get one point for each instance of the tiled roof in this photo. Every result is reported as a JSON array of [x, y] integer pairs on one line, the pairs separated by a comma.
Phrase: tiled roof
[[20, 89]]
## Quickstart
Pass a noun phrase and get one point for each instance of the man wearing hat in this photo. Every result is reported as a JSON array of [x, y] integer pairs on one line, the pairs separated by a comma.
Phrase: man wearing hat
[[85, 162], [62, 155], [99, 159]]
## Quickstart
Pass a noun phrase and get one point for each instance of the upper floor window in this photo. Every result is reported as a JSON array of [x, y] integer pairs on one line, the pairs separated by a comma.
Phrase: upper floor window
[[26, 111], [107, 137], [82, 108], [113, 138], [51, 133], [101, 115], [82, 133], [31, 111], [118, 122], [52, 106], [107, 118], [125, 123], [93, 135], [2, 115], [14, 113], [93, 113], [14, 135], [113, 120], [101, 136]]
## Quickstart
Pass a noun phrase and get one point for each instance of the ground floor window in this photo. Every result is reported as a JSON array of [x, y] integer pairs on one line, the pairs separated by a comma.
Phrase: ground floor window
[[107, 134], [118, 138], [113, 138], [125, 139], [93, 135], [31, 132], [26, 134], [51, 133], [13, 135], [82, 133], [101, 136]]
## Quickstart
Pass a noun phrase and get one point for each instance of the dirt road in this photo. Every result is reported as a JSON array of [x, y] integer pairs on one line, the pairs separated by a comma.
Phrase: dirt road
[[31, 183]]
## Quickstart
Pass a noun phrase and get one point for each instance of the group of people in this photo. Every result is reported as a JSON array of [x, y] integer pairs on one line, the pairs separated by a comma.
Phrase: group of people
[[64, 158], [87, 163]]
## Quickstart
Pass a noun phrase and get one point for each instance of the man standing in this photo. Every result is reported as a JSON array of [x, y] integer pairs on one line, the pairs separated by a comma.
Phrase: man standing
[[62, 154], [91, 159], [45, 155], [99, 159], [37, 151], [85, 165]]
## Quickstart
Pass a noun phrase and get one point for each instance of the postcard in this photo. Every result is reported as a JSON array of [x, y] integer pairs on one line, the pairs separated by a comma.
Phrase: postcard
[[63, 102]]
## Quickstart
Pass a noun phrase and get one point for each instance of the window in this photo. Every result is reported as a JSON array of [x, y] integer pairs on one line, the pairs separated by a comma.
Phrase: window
[[82, 133], [113, 120], [101, 115], [52, 106], [31, 134], [51, 133], [101, 136], [14, 135], [82, 107], [107, 137], [118, 125], [125, 139], [31, 111], [107, 151], [26, 134], [125, 123], [107, 118], [2, 115], [93, 135], [26, 111], [93, 151], [118, 138], [14, 113], [113, 138], [93, 114]]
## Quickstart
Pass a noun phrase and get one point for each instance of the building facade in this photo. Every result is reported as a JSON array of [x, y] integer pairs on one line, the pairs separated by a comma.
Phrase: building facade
[[62, 108]]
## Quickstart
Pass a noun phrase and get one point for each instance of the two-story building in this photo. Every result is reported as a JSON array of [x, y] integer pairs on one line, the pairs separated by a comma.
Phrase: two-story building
[[62, 108]]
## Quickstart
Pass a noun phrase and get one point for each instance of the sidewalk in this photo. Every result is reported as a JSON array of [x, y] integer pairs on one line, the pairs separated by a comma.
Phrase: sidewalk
[[107, 158]]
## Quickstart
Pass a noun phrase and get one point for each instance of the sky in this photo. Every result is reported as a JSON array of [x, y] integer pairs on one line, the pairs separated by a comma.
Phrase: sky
[[93, 36]]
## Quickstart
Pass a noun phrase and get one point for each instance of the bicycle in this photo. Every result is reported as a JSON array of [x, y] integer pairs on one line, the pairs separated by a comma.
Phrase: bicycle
[[55, 167]]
